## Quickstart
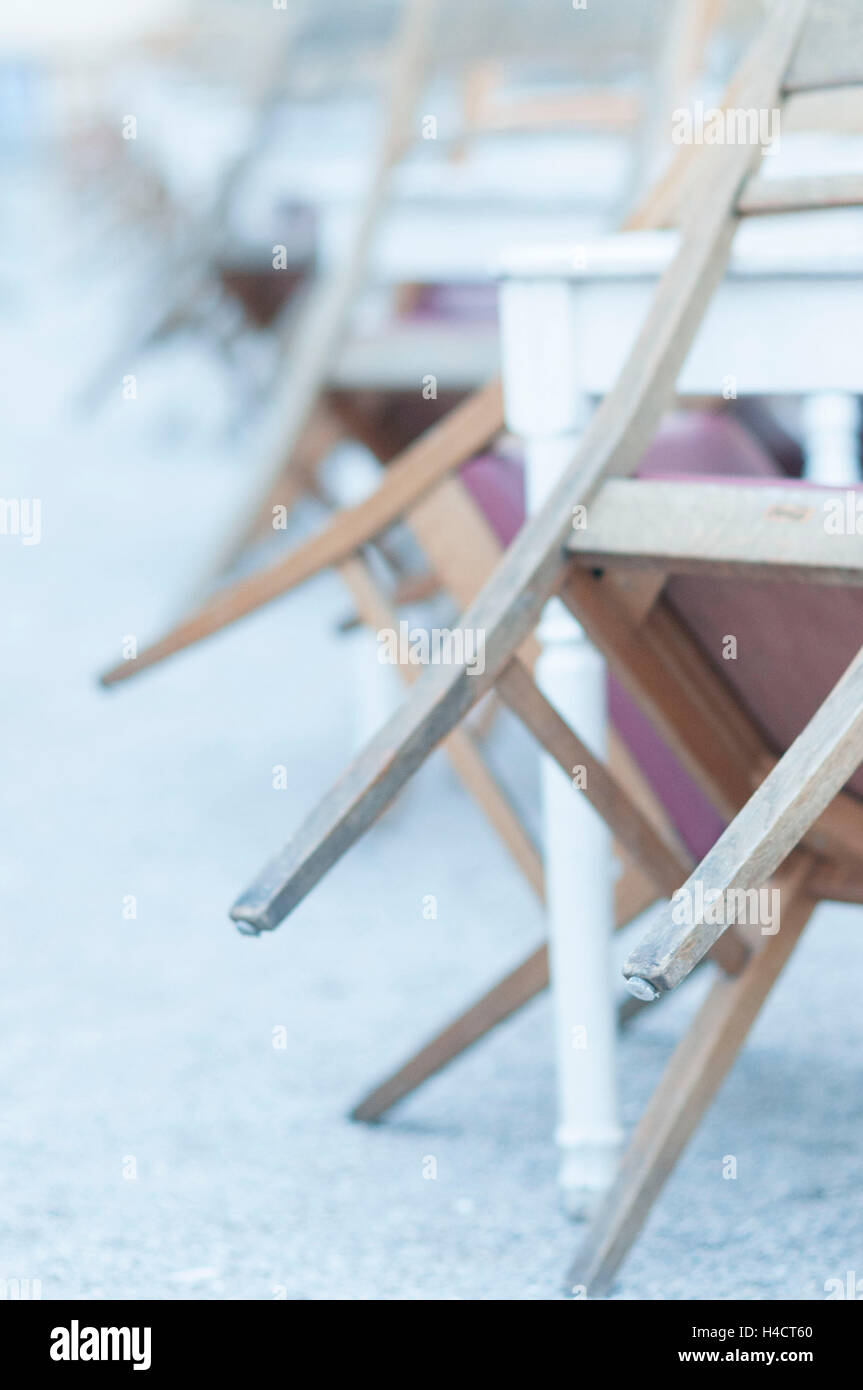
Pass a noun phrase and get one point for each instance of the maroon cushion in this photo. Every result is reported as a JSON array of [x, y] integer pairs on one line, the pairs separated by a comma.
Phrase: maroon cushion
[[702, 444], [693, 445], [793, 643], [497, 486], [793, 640]]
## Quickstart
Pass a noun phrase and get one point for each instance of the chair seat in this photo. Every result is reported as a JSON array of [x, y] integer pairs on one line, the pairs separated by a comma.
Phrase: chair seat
[[792, 640]]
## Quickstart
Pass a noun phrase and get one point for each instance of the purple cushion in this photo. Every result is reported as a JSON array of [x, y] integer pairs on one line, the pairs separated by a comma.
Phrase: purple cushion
[[694, 445], [691, 445], [497, 486], [793, 640], [700, 444], [793, 643]]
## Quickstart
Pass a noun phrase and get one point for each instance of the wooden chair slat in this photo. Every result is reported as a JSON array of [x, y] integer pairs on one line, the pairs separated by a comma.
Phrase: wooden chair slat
[[750, 531], [762, 196], [697, 1069], [453, 440], [760, 837]]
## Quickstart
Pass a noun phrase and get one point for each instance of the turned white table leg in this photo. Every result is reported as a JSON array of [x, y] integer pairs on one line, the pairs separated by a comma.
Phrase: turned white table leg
[[544, 407], [831, 438]]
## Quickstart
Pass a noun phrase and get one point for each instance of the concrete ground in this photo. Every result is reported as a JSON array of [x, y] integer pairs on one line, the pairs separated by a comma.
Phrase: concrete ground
[[155, 1142]]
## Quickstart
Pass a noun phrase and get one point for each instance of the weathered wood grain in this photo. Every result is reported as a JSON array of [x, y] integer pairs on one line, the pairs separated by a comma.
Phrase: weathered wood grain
[[697, 714], [674, 687], [667, 863], [461, 748], [770, 825], [458, 540], [661, 859], [697, 1069], [450, 442], [509, 606], [771, 532]]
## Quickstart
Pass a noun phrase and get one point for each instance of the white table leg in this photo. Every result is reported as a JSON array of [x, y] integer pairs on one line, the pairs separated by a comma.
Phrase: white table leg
[[831, 438], [544, 407]]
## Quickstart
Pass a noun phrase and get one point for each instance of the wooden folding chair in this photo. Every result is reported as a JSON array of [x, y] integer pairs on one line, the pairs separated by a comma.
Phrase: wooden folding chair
[[797, 823], [637, 759], [458, 542], [452, 532]]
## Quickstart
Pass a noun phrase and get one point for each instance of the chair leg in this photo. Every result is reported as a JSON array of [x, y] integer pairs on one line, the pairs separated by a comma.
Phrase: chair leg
[[499, 1003], [691, 1080], [504, 999]]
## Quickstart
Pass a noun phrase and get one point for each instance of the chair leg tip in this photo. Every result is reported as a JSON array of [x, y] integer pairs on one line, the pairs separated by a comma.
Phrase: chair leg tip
[[642, 989], [365, 1114]]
